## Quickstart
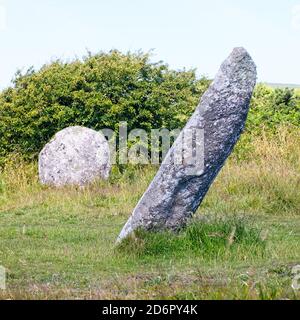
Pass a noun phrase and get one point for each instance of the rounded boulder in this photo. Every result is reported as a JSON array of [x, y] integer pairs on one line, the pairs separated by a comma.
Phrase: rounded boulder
[[74, 156]]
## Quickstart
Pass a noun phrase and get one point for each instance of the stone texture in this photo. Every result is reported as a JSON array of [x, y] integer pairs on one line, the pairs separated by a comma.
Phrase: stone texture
[[176, 192], [75, 156]]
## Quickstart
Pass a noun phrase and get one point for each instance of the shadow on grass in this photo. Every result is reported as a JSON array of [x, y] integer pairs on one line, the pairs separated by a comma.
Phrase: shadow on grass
[[209, 237]]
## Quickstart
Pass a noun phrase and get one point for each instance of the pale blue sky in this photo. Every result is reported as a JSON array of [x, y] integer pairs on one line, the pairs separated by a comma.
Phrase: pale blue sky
[[183, 33]]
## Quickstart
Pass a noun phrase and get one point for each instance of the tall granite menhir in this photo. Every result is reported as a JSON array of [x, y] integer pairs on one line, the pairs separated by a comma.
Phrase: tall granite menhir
[[177, 191]]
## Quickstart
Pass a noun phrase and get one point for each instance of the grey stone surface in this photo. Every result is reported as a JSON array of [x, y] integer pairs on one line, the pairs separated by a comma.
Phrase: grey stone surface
[[75, 156], [177, 191]]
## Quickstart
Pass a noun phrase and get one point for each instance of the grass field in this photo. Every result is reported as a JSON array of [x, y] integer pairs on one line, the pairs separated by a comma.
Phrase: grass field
[[242, 244]]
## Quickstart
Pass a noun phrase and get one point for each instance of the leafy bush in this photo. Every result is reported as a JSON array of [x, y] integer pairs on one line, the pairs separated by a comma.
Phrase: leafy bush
[[271, 108], [100, 91], [97, 92], [271, 111]]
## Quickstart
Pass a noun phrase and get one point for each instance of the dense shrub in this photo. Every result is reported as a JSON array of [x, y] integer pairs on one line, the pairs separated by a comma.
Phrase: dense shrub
[[97, 92], [100, 91], [271, 108]]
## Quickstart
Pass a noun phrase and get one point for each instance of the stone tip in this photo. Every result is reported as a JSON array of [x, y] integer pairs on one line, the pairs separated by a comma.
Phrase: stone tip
[[240, 61], [240, 53], [240, 50]]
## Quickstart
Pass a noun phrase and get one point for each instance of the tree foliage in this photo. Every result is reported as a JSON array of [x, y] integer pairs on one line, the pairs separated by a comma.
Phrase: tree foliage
[[101, 90], [97, 92], [271, 108]]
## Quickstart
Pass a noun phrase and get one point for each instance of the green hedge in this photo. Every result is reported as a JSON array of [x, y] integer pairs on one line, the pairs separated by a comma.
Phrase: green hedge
[[97, 92], [100, 91], [271, 108]]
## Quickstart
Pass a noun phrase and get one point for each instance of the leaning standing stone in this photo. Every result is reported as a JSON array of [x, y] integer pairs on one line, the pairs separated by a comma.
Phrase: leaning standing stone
[[75, 156], [178, 189]]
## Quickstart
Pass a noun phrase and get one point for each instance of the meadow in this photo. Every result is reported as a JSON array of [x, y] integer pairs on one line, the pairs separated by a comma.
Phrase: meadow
[[242, 243], [60, 243]]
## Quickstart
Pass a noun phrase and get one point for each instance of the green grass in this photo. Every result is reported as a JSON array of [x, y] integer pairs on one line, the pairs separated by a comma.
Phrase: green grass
[[209, 238], [242, 243]]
